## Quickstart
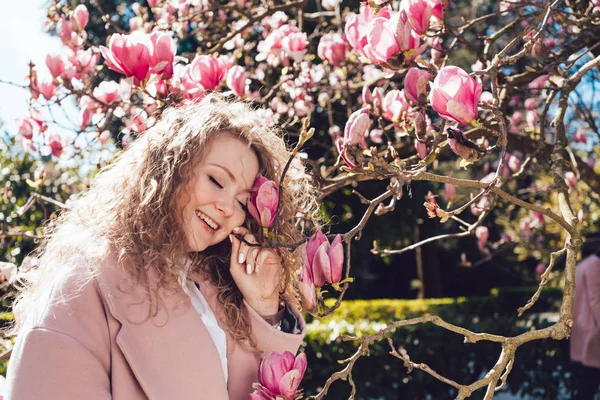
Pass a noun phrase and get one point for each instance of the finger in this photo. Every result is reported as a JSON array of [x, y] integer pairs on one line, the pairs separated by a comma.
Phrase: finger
[[251, 259], [245, 249], [235, 248]]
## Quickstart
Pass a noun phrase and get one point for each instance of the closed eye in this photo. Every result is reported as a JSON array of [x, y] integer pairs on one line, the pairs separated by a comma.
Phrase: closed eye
[[213, 180]]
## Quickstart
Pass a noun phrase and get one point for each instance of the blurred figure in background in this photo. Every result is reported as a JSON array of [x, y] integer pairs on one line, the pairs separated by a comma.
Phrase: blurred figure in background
[[585, 335]]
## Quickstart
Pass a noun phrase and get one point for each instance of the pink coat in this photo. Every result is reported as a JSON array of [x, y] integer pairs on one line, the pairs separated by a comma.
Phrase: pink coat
[[585, 335], [97, 346]]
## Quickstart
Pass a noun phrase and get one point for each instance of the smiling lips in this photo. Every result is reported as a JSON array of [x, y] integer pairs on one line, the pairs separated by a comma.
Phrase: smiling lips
[[211, 223]]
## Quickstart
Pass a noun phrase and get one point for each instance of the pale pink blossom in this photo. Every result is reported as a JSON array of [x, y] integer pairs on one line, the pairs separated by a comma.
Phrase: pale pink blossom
[[263, 201], [455, 95], [306, 289], [26, 128], [236, 80], [85, 117], [294, 45], [416, 85], [47, 87], [332, 48], [580, 137], [419, 14], [208, 71], [356, 127], [65, 31], [324, 261], [571, 179], [482, 233], [54, 140], [366, 95], [279, 376], [129, 54], [104, 136], [376, 135], [540, 268], [538, 83], [531, 104], [107, 91], [163, 54], [356, 27], [486, 97], [56, 64], [80, 17], [394, 105], [532, 119], [437, 9]]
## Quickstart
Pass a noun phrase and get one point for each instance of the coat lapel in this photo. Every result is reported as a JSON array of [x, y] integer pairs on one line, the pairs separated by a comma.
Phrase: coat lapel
[[171, 354]]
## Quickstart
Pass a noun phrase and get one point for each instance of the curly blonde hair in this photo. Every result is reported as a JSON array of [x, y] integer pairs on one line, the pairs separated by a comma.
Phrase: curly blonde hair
[[131, 207]]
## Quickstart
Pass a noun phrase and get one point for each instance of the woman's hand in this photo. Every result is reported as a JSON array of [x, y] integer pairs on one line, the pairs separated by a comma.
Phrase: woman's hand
[[256, 272]]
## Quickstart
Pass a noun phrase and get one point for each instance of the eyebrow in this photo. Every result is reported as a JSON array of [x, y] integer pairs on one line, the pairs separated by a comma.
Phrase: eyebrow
[[230, 175]]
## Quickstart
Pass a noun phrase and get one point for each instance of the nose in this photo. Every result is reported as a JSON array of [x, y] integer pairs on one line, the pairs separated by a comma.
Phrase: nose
[[225, 206]]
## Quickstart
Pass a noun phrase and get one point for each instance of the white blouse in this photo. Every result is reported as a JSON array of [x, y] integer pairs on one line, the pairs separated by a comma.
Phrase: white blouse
[[208, 318]]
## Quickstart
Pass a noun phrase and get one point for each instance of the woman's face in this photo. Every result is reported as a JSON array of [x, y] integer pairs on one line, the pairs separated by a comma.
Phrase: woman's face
[[218, 192]]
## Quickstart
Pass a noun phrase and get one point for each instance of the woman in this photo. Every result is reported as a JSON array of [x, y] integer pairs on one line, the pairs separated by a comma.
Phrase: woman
[[145, 290]]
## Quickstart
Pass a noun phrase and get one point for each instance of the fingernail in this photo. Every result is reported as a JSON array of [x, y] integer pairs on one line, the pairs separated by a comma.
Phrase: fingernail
[[236, 229], [248, 269], [241, 258], [230, 239]]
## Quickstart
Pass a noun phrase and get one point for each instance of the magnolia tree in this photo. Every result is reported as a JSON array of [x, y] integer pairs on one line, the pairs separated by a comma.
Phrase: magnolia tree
[[492, 98]]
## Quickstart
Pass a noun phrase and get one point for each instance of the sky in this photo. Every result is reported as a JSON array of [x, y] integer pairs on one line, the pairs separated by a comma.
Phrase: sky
[[23, 39]]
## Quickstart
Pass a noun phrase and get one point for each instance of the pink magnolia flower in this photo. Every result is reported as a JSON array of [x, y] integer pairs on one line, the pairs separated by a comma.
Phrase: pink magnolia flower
[[306, 288], [83, 61], [163, 54], [437, 9], [394, 105], [540, 268], [107, 92], [54, 140], [208, 71], [129, 55], [356, 27], [47, 87], [85, 117], [482, 234], [531, 104], [419, 14], [356, 127], [580, 137], [55, 63], [236, 80], [80, 17], [332, 48], [279, 376], [381, 39], [263, 202], [455, 95], [26, 128], [571, 179], [538, 83], [416, 85], [366, 96], [294, 45], [324, 261], [532, 118], [65, 31]]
